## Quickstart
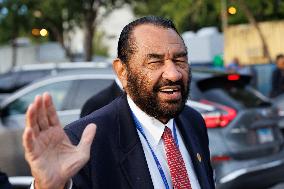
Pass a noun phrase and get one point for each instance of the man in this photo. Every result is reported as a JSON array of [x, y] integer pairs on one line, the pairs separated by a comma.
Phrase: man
[[102, 98], [147, 138], [278, 77]]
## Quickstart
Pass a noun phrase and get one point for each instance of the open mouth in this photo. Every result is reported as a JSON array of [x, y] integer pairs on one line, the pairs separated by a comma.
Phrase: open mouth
[[170, 89], [172, 93]]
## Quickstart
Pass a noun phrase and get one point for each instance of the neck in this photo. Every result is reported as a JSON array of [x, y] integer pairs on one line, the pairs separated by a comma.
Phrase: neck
[[163, 120]]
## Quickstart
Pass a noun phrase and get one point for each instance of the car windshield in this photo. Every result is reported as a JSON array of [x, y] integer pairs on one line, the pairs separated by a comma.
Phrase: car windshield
[[236, 96]]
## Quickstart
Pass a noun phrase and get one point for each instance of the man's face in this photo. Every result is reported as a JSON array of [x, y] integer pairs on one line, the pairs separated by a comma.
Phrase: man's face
[[280, 63], [158, 72]]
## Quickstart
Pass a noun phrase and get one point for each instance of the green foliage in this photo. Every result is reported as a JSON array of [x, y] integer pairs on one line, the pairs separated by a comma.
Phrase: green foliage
[[186, 14], [194, 14], [18, 17], [15, 19], [262, 11]]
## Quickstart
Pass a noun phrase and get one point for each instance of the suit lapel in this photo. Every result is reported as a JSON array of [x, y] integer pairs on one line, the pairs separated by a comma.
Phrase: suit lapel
[[132, 158], [193, 147]]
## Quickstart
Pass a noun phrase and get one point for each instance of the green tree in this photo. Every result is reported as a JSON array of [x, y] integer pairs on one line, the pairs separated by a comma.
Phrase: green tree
[[186, 14], [261, 10], [194, 14], [14, 21], [255, 11], [60, 17]]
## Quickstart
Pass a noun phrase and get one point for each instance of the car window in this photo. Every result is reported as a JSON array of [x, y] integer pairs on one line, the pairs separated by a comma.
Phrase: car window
[[235, 96], [86, 89], [58, 91]]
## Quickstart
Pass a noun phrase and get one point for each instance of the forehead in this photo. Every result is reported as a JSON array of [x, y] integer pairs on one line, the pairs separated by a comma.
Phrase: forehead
[[150, 38]]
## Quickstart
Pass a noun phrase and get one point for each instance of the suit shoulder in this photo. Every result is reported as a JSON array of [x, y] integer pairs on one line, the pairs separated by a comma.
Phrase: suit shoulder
[[191, 112]]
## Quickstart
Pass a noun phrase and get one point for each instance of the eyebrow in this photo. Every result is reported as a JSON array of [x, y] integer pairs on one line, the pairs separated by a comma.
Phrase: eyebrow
[[161, 56], [180, 54], [153, 55]]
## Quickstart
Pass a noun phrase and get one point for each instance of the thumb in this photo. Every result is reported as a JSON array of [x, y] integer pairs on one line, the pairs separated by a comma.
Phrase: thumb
[[87, 138]]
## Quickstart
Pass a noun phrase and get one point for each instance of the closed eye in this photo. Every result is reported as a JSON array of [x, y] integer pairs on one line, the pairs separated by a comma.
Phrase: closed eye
[[155, 61], [180, 60]]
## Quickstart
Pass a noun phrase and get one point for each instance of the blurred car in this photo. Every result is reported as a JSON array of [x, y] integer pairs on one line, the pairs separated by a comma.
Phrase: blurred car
[[246, 143], [69, 92], [20, 76], [278, 102]]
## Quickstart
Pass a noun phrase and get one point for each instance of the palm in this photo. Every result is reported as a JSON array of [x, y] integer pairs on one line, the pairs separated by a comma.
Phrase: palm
[[52, 157]]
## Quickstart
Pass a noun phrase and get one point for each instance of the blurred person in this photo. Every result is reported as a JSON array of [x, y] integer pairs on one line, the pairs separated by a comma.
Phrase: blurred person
[[102, 98], [234, 66], [147, 138], [278, 77]]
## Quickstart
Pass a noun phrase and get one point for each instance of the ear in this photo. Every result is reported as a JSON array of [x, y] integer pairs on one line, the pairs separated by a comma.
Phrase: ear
[[121, 71]]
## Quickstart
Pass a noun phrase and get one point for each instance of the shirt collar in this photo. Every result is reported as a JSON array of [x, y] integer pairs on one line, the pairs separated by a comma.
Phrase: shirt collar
[[152, 127]]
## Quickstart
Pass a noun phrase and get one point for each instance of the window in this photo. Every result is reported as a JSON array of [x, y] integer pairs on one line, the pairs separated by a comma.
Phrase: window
[[58, 91], [237, 97], [87, 88]]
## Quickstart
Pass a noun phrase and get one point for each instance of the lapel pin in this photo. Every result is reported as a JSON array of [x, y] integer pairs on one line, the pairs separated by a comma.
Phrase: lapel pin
[[199, 157]]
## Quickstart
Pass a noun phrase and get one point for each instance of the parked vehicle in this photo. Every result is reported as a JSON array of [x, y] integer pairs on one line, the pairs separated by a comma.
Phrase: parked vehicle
[[278, 102], [246, 143], [20, 76], [68, 90]]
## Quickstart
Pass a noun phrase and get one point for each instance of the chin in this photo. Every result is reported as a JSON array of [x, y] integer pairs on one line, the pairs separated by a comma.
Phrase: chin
[[171, 110]]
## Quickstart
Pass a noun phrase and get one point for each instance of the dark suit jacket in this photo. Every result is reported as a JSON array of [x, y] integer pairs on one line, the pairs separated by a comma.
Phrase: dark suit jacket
[[101, 99], [277, 83], [117, 157]]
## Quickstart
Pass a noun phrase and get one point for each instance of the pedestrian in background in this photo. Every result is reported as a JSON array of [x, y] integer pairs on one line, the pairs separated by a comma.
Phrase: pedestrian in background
[[278, 77]]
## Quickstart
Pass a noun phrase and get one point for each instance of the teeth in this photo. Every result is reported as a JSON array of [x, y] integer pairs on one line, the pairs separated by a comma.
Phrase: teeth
[[168, 90]]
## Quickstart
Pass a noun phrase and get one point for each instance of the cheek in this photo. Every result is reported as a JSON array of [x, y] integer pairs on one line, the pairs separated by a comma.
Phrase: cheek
[[147, 80], [185, 74], [152, 78]]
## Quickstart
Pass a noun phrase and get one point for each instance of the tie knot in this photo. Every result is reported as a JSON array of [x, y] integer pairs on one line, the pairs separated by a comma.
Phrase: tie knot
[[167, 132]]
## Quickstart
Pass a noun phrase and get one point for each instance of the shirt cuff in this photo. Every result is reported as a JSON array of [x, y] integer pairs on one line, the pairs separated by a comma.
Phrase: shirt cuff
[[67, 186]]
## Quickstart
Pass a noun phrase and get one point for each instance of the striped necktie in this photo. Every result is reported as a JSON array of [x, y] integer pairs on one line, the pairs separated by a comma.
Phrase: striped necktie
[[176, 164]]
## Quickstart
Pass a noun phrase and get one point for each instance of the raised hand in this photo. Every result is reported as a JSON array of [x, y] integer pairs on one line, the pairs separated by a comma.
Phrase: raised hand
[[49, 152]]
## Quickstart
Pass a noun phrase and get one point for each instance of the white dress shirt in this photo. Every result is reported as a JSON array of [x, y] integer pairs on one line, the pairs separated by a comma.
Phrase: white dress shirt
[[153, 130]]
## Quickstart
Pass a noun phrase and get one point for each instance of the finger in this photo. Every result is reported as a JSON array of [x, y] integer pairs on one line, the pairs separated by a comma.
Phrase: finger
[[28, 139], [31, 120], [42, 116], [50, 110], [87, 139]]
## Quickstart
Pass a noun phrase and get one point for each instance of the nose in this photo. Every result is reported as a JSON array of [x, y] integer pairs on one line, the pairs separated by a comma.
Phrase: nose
[[171, 72]]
